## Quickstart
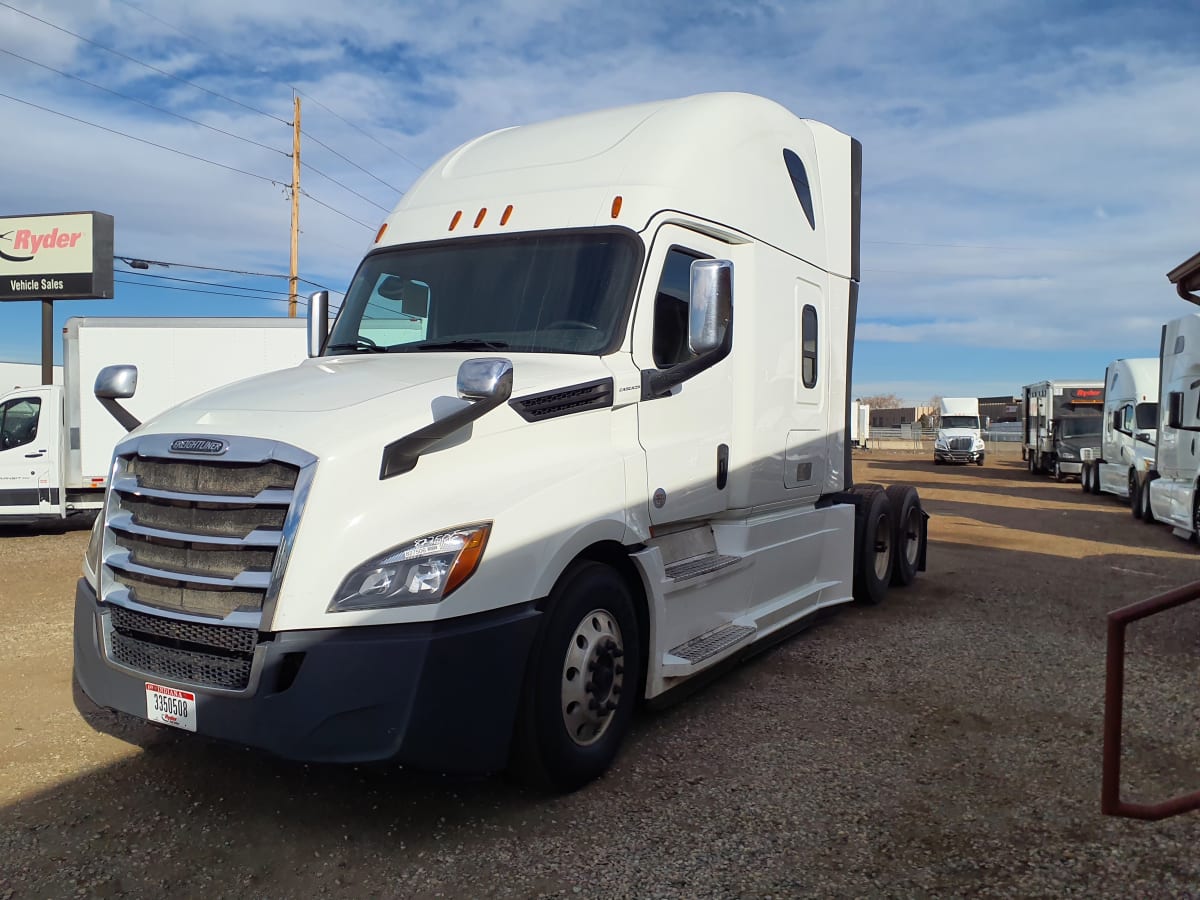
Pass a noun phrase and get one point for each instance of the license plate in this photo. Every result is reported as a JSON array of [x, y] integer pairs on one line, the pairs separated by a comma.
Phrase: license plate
[[171, 706]]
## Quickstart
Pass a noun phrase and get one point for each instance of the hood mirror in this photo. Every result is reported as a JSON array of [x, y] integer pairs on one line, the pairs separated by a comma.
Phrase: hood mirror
[[318, 322], [487, 378]]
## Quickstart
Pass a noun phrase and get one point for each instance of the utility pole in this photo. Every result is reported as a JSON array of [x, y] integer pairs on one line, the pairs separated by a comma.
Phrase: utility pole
[[293, 279]]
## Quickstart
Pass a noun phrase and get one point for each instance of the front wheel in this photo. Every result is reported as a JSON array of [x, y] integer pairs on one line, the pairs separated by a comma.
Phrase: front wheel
[[583, 680]]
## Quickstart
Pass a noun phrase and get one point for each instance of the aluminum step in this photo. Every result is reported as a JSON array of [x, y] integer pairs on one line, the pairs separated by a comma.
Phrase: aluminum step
[[699, 565], [711, 643]]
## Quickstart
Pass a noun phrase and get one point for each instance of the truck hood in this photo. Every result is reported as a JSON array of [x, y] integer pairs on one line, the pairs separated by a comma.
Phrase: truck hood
[[947, 433], [327, 400]]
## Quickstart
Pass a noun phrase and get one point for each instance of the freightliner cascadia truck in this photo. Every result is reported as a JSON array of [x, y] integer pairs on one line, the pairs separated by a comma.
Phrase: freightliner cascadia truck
[[577, 436]]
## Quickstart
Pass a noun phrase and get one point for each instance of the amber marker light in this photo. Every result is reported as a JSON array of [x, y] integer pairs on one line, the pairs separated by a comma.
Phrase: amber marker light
[[506, 214], [616, 207], [379, 233], [454, 221], [479, 217], [467, 561]]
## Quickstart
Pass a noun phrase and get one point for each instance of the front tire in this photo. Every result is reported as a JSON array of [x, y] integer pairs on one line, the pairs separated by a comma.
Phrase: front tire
[[583, 681], [1058, 472]]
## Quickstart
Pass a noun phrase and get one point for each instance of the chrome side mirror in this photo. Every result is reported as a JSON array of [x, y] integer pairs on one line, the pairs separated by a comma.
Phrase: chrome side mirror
[[710, 304], [318, 322], [487, 378], [115, 383]]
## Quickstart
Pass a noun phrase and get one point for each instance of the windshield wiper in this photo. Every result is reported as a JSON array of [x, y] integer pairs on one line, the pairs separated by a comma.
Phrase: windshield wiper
[[363, 344], [455, 344]]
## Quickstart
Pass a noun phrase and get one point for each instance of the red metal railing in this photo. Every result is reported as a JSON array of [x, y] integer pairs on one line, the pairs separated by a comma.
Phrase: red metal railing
[[1114, 694]]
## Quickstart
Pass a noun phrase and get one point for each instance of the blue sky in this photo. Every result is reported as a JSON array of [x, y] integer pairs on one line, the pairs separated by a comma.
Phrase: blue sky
[[1029, 167]]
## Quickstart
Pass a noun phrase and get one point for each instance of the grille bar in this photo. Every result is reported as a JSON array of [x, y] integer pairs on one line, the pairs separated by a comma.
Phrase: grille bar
[[123, 521], [122, 561], [239, 608], [128, 484], [188, 666], [207, 637]]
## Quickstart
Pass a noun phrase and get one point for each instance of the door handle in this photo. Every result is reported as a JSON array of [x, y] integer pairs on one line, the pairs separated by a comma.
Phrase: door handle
[[37, 455]]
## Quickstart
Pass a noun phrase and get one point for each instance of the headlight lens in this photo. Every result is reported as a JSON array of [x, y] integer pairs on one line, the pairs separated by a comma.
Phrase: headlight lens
[[1068, 453], [940, 443], [91, 556], [426, 570]]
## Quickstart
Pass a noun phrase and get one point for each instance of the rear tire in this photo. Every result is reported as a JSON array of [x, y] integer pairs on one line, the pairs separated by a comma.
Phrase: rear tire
[[582, 683], [1058, 472], [1029, 461], [1133, 490], [908, 543], [873, 550], [1085, 478]]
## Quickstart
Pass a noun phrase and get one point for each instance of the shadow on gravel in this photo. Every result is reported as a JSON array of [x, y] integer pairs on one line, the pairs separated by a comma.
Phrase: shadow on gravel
[[59, 526]]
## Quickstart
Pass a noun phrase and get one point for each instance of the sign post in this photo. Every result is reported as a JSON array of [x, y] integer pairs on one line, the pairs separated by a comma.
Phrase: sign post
[[63, 256]]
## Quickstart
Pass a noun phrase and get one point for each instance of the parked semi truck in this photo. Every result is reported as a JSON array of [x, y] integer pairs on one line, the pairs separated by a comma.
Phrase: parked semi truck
[[1128, 430], [960, 432], [578, 436], [1062, 424], [1170, 491], [56, 441]]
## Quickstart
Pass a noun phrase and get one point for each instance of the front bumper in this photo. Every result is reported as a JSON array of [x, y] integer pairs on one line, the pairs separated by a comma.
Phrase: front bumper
[[962, 456], [440, 696], [1070, 468]]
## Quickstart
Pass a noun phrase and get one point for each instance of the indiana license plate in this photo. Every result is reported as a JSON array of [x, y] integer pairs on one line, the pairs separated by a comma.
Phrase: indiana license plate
[[171, 706]]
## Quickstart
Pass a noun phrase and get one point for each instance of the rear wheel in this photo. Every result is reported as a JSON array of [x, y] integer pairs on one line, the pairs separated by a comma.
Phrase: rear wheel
[[1029, 460], [582, 682], [1085, 477], [909, 535], [873, 550]]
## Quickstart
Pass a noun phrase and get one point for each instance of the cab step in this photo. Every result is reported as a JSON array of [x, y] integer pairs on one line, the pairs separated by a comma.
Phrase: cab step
[[709, 644], [699, 565]]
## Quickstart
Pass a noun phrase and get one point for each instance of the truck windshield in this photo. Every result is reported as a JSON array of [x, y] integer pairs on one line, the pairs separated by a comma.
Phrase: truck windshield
[[960, 422], [1147, 416], [565, 292], [1082, 426]]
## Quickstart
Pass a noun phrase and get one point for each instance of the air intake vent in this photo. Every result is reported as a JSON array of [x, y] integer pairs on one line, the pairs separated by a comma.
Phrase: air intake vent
[[562, 402]]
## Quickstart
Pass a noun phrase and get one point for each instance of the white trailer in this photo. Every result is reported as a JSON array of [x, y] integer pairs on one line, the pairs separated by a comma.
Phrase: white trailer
[[1061, 425], [56, 441], [1129, 427], [577, 437], [860, 425], [960, 432]]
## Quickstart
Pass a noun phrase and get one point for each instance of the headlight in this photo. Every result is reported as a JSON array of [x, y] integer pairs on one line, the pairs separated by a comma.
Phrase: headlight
[[940, 443], [977, 444], [91, 556], [426, 570], [1068, 453]]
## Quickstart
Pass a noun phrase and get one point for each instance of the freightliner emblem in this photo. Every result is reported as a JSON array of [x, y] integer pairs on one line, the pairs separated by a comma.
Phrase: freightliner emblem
[[197, 445]]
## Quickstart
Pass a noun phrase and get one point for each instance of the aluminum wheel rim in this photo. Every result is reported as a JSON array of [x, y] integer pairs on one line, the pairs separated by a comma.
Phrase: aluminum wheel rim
[[883, 547], [593, 677]]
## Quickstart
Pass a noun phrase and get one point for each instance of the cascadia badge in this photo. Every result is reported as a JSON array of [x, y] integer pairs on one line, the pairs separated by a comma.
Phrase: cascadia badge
[[197, 445]]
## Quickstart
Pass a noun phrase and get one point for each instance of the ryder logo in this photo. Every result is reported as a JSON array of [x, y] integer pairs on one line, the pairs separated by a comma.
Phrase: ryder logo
[[29, 241]]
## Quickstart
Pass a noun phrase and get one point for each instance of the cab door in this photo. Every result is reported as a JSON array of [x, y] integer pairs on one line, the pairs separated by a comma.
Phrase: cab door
[[686, 433], [28, 449]]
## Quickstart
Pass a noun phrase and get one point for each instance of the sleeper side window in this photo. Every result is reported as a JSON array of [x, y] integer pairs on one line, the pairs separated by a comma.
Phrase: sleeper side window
[[19, 421], [808, 346], [671, 308]]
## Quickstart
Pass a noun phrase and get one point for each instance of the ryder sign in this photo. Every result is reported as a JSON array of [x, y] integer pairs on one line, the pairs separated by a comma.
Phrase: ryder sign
[[66, 256]]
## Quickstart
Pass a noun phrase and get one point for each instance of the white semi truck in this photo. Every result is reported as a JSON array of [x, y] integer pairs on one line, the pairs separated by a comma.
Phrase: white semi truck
[[1170, 492], [960, 432], [1128, 430], [56, 441], [577, 437], [1061, 425]]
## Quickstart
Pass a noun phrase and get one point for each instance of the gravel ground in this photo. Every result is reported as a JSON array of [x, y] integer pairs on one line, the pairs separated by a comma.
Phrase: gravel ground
[[944, 743]]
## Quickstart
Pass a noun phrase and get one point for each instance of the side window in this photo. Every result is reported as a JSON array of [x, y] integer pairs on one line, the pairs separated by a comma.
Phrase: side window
[[1127, 424], [808, 346], [19, 421], [671, 308]]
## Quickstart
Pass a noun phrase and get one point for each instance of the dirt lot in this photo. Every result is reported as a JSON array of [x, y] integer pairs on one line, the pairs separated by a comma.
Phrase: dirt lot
[[947, 742]]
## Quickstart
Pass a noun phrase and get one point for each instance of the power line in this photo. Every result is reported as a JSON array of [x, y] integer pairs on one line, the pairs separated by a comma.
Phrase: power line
[[236, 287], [222, 53], [131, 59], [351, 190], [167, 287], [202, 159], [305, 193], [179, 265], [347, 159], [160, 109]]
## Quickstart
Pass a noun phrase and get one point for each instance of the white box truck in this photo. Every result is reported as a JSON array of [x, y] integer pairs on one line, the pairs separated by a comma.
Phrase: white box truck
[[577, 437], [1061, 425], [960, 432], [56, 441], [1128, 430]]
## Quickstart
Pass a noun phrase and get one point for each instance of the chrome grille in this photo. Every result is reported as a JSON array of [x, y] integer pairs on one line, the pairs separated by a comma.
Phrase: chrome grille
[[191, 600], [960, 443], [218, 520], [188, 476], [210, 655]]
